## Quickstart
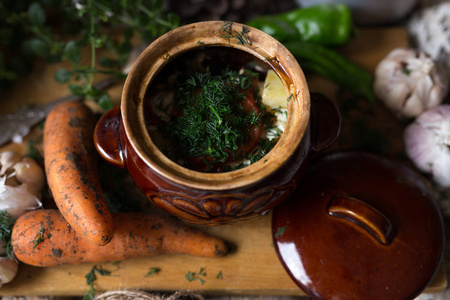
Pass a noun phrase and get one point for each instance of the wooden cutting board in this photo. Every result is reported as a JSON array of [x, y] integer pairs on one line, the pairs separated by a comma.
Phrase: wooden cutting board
[[253, 267]]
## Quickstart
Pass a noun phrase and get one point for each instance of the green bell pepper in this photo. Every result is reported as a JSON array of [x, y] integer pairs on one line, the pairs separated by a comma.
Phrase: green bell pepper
[[325, 24], [334, 66]]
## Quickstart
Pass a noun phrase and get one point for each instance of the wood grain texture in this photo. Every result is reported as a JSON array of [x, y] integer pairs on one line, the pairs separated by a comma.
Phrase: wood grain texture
[[251, 269]]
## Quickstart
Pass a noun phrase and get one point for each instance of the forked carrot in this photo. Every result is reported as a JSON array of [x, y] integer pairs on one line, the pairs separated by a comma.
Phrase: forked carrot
[[44, 238], [70, 166]]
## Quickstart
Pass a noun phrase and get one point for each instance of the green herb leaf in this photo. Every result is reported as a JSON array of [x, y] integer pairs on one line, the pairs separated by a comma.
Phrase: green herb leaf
[[36, 14], [107, 62], [72, 52], [63, 75], [39, 237], [6, 225], [90, 294], [152, 272], [280, 231], [105, 102], [219, 275], [34, 46], [191, 276], [77, 90], [90, 279]]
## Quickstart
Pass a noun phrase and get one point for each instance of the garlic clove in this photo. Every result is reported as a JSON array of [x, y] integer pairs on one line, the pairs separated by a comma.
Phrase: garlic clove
[[8, 269], [29, 172], [7, 161], [17, 200]]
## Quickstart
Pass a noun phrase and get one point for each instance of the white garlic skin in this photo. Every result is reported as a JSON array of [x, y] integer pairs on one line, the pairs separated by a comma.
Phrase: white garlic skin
[[8, 269], [21, 182], [427, 143], [409, 82]]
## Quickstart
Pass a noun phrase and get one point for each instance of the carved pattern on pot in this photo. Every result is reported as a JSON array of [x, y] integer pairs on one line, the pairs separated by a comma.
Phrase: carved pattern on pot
[[216, 208]]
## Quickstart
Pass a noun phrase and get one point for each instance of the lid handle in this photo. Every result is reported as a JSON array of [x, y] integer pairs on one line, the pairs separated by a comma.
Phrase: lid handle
[[363, 215]]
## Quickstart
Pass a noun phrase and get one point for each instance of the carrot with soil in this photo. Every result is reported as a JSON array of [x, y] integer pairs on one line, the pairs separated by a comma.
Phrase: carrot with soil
[[70, 165], [135, 235]]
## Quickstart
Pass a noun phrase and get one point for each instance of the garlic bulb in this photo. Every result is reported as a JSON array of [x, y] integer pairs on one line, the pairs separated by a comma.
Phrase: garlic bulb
[[427, 142], [8, 269], [428, 30], [409, 82]]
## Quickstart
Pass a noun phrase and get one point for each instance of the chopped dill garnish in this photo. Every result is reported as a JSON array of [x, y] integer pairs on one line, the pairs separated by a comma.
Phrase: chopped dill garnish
[[242, 36], [39, 237], [212, 121], [6, 225], [202, 45], [280, 231], [291, 96], [152, 272], [91, 277], [219, 275], [207, 114], [191, 276]]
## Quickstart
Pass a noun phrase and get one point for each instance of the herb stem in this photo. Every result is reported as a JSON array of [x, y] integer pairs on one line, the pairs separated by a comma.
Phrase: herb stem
[[219, 119], [152, 15], [93, 45]]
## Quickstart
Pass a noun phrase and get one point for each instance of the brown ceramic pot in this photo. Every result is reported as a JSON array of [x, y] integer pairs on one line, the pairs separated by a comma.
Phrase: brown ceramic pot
[[216, 198]]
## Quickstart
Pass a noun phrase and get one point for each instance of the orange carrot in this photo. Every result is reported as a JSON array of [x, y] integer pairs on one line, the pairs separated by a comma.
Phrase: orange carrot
[[44, 238], [70, 166]]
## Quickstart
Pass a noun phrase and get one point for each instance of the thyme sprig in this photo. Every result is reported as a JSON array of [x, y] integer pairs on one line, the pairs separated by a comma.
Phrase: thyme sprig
[[60, 30]]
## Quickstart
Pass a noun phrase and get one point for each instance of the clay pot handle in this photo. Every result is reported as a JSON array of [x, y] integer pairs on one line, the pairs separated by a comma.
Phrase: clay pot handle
[[107, 138], [325, 122], [363, 215]]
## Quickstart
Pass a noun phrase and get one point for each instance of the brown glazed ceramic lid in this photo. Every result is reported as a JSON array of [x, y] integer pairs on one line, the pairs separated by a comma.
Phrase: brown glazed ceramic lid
[[360, 226]]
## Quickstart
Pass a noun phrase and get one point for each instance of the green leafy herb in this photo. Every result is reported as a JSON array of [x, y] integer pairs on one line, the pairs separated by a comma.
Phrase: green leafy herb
[[26, 32], [227, 29], [242, 36], [214, 125], [291, 96], [280, 231], [6, 225], [230, 33], [91, 277], [117, 264], [152, 272], [219, 275], [39, 237], [191, 276], [202, 45]]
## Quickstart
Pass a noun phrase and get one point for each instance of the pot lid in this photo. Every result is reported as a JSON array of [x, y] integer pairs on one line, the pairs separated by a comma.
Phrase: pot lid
[[359, 226]]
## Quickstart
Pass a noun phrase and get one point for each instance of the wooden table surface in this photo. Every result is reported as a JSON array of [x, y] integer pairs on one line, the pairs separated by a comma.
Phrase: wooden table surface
[[251, 269]]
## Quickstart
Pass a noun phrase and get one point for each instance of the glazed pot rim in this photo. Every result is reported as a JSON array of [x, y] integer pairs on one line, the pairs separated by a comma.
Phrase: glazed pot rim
[[214, 34]]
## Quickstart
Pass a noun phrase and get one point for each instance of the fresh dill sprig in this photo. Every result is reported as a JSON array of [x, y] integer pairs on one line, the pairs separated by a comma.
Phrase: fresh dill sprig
[[6, 225], [152, 271], [91, 277], [214, 122], [191, 276], [39, 237]]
